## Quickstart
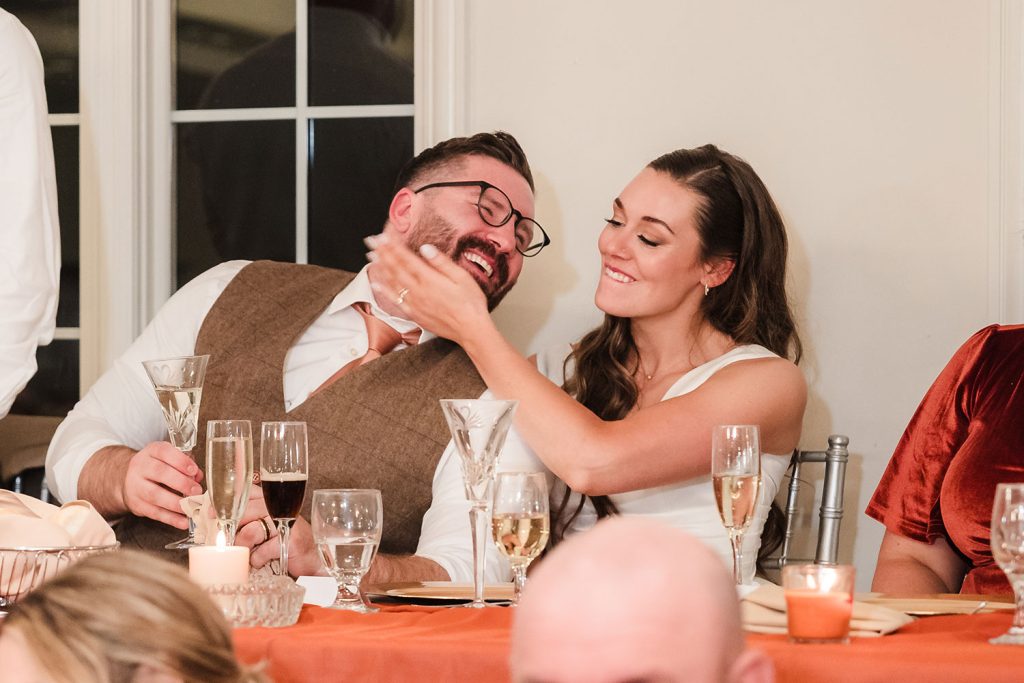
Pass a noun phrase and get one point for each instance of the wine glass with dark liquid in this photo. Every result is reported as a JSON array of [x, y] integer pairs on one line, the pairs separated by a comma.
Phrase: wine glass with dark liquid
[[179, 389], [284, 470]]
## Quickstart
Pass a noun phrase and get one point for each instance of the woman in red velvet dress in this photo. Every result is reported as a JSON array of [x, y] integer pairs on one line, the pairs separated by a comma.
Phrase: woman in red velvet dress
[[935, 498]]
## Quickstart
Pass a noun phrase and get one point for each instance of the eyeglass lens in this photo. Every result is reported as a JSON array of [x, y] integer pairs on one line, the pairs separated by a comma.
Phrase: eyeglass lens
[[496, 210]]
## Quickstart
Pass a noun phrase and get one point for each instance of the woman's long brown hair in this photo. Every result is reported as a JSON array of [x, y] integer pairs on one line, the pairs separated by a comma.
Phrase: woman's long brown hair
[[736, 219]]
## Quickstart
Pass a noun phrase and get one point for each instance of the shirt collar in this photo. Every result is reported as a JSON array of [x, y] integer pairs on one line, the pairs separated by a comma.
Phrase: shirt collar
[[359, 290]]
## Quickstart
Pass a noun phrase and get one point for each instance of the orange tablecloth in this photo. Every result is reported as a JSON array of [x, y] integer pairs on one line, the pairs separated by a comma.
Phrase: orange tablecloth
[[446, 644]]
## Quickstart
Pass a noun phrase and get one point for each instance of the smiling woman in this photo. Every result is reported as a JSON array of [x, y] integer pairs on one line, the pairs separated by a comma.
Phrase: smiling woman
[[697, 332]]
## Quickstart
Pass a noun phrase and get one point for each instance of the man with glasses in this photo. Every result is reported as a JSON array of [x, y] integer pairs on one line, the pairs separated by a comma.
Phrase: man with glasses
[[300, 342]]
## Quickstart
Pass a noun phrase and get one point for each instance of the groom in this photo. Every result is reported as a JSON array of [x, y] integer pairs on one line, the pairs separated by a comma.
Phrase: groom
[[282, 339]]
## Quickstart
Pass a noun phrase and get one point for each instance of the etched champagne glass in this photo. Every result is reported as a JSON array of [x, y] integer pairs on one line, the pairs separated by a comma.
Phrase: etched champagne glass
[[179, 389], [736, 476], [520, 521], [347, 526], [228, 472], [1007, 538], [284, 470], [478, 428]]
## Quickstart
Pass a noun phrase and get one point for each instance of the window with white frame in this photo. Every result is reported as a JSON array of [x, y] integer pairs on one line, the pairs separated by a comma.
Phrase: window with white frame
[[291, 120]]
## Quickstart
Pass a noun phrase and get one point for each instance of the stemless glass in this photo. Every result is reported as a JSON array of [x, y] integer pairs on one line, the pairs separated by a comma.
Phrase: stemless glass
[[1008, 551], [478, 428], [228, 472], [736, 476], [347, 525], [284, 470], [520, 521], [179, 389]]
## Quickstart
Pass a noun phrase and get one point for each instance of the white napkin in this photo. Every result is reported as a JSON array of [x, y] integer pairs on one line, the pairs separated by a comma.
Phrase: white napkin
[[764, 611], [29, 522], [320, 590], [198, 508]]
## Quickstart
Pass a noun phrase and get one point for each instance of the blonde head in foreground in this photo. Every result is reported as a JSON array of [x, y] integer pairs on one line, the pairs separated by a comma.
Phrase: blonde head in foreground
[[119, 617]]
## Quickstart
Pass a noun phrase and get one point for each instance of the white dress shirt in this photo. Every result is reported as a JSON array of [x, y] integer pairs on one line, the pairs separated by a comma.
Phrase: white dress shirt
[[30, 257], [121, 408]]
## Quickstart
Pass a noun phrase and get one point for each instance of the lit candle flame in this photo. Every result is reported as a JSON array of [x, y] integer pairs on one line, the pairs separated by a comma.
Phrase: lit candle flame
[[222, 539]]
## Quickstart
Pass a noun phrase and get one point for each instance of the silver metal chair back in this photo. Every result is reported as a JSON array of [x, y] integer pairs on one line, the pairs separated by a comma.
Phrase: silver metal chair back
[[830, 514]]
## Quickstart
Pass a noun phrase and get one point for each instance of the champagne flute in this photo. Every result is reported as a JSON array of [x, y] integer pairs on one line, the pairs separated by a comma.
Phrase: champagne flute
[[520, 521], [179, 388], [284, 469], [346, 529], [478, 428], [736, 476], [1008, 551], [228, 472]]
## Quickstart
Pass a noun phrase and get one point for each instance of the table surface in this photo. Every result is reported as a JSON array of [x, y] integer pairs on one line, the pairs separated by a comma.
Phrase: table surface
[[405, 642]]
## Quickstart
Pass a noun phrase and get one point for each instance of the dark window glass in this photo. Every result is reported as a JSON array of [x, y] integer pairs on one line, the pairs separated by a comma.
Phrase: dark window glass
[[54, 389], [236, 193], [54, 25], [375, 65], [65, 154], [352, 170], [235, 53]]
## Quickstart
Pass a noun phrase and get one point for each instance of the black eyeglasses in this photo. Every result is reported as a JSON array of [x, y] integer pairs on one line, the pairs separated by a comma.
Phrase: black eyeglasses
[[496, 210]]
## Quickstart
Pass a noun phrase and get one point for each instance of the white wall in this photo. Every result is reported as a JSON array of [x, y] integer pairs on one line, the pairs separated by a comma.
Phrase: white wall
[[871, 122]]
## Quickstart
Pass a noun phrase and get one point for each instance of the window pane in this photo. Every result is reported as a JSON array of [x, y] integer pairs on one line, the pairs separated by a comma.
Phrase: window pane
[[352, 172], [375, 66], [236, 193], [54, 25], [65, 155], [235, 53], [54, 389]]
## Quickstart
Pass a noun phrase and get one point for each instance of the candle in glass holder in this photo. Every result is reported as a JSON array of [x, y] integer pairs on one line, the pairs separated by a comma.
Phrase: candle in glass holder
[[212, 565], [819, 602]]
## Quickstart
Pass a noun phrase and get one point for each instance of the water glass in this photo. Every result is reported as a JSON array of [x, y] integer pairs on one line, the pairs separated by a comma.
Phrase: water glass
[[347, 527]]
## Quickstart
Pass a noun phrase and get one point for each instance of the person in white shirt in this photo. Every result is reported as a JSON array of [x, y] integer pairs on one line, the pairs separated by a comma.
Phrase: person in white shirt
[[29, 230], [111, 449]]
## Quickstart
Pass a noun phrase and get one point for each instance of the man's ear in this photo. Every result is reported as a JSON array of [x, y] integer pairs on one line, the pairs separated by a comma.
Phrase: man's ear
[[400, 212], [718, 271]]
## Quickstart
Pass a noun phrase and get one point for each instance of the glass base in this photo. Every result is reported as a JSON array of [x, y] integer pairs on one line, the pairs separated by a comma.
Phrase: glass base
[[354, 606], [1015, 636], [475, 605], [183, 544]]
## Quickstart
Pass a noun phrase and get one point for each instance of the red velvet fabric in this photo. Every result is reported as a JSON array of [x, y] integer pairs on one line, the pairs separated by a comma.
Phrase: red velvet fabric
[[966, 436]]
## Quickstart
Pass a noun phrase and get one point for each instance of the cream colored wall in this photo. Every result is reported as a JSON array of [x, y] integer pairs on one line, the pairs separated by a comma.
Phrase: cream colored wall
[[870, 123]]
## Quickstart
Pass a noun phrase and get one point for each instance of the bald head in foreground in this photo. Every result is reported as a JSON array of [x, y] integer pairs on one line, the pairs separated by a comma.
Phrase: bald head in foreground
[[632, 600]]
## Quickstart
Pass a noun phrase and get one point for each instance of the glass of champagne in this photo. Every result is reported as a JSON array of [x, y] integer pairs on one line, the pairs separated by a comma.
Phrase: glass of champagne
[[179, 388], [478, 428], [347, 525], [520, 521], [1007, 538], [736, 476], [284, 469], [228, 472]]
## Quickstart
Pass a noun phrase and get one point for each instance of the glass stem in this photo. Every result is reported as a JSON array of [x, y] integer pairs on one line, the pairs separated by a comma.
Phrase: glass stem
[[191, 529], [229, 528], [519, 577], [1018, 597], [736, 537], [478, 518], [284, 527]]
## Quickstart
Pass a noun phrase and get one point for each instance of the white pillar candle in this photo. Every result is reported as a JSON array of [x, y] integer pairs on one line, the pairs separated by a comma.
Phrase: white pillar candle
[[211, 565]]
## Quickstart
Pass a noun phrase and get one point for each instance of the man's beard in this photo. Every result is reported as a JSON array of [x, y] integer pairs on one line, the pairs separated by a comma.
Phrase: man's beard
[[435, 230]]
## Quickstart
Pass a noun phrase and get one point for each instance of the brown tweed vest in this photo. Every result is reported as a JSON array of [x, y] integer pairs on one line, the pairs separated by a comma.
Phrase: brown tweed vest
[[379, 426]]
